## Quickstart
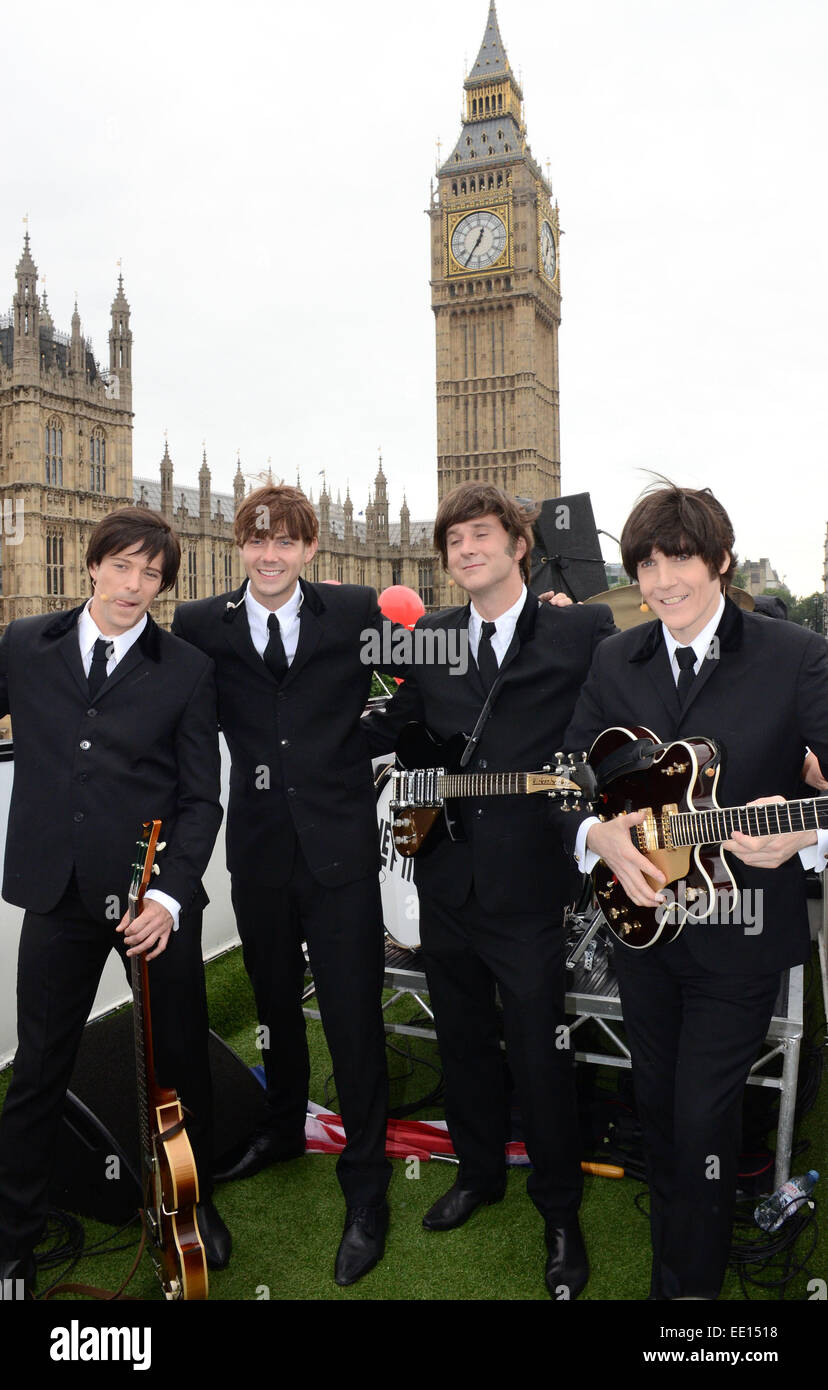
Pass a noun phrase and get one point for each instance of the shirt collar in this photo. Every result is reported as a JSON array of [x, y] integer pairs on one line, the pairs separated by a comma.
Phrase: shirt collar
[[510, 616], [286, 613], [89, 632], [701, 641]]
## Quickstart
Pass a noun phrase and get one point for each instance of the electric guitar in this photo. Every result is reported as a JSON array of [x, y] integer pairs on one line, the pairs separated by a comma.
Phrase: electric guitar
[[429, 779], [682, 833], [169, 1180]]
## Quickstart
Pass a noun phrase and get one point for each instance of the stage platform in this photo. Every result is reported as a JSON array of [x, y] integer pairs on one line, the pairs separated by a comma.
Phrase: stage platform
[[592, 993]]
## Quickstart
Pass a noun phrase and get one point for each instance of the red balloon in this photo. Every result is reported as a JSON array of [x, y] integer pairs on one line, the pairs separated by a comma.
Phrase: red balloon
[[401, 604]]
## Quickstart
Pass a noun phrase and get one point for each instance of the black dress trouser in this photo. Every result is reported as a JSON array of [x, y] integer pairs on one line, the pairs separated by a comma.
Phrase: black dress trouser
[[693, 1037], [469, 954], [343, 930], [61, 958]]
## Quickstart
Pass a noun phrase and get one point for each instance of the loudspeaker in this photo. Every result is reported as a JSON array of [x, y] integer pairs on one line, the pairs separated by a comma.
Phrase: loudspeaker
[[97, 1172], [567, 553]]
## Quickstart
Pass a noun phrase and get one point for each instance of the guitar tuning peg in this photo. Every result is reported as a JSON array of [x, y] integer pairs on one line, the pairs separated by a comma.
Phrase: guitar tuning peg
[[547, 767], [155, 869], [162, 844], [559, 757]]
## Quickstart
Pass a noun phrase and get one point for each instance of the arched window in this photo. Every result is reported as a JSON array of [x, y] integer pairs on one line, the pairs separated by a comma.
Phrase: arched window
[[54, 563], [54, 452], [97, 461]]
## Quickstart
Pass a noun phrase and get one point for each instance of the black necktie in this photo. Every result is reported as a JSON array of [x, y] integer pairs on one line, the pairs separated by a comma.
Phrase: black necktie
[[686, 658], [486, 659], [97, 671], [274, 653]]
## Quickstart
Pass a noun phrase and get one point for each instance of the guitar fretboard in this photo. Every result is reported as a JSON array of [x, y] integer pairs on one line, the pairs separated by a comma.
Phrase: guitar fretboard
[[454, 784], [140, 1054], [713, 827]]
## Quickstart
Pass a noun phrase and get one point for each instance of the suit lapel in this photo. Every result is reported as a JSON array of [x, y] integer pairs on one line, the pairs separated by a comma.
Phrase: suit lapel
[[237, 632], [524, 630], [651, 655], [147, 648], [728, 638], [69, 648], [473, 675], [310, 634]]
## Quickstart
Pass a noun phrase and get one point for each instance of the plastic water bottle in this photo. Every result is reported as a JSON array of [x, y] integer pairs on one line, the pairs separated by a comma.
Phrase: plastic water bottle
[[785, 1201]]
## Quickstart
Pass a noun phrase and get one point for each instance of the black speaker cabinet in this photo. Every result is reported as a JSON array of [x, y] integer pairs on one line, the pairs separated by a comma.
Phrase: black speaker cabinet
[[567, 553], [98, 1163]]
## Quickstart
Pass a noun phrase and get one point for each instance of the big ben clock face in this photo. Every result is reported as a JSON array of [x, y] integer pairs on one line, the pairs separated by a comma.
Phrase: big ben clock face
[[478, 240], [548, 251]]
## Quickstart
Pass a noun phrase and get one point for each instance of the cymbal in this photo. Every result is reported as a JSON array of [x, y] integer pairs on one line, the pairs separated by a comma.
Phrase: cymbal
[[626, 603]]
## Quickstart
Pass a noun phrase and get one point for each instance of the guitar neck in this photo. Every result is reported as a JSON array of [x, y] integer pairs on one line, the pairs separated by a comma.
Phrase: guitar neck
[[457, 784], [144, 1061], [715, 826]]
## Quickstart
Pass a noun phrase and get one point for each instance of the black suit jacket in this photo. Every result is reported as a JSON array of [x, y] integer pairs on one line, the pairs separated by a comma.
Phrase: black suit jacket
[[300, 759], [87, 772], [512, 853], [763, 697]]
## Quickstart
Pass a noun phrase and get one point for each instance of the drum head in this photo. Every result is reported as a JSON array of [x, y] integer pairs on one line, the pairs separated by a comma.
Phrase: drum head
[[400, 903]]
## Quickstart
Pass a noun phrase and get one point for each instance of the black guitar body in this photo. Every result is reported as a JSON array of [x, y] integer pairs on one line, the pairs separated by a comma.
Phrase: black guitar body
[[417, 746], [664, 780]]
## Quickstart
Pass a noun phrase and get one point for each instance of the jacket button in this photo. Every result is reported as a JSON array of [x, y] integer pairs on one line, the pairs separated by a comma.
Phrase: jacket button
[[78, 817], [482, 763], [84, 743], [91, 713], [291, 791], [284, 743], [84, 777]]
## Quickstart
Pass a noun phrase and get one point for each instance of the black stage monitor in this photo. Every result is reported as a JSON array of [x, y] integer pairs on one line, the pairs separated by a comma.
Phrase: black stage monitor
[[567, 552]]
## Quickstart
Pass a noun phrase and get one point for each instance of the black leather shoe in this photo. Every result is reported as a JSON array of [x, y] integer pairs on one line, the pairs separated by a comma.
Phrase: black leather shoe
[[362, 1244], [218, 1241], [263, 1150], [455, 1207], [17, 1278], [567, 1267]]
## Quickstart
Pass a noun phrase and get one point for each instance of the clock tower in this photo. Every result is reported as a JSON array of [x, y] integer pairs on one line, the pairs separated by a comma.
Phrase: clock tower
[[495, 292]]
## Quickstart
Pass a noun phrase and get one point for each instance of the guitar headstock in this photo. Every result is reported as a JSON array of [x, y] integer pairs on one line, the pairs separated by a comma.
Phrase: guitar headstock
[[144, 866], [569, 780]]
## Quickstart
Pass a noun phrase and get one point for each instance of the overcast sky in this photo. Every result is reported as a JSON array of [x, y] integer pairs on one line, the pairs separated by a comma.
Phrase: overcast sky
[[263, 172]]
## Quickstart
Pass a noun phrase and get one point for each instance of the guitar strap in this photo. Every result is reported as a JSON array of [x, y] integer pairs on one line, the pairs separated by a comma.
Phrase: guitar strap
[[477, 732]]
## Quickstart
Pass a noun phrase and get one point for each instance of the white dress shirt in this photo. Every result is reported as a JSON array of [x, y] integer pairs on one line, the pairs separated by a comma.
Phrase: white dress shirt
[[288, 615], [88, 634], [504, 628]]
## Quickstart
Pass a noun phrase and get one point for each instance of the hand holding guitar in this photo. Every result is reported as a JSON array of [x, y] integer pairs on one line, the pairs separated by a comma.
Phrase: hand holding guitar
[[768, 851], [611, 841], [151, 929]]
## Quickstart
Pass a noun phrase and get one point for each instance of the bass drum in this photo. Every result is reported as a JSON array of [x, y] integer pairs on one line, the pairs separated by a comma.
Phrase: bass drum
[[400, 903]]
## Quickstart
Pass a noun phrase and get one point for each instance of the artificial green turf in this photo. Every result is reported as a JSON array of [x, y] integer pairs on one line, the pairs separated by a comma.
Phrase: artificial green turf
[[287, 1220]]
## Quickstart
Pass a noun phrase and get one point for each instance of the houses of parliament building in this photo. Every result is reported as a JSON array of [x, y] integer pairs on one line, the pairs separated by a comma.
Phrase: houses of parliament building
[[66, 420]]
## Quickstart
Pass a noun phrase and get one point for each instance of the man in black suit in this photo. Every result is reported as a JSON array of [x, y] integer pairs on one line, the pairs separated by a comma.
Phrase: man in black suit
[[114, 723], [302, 841], [697, 1009], [491, 904]]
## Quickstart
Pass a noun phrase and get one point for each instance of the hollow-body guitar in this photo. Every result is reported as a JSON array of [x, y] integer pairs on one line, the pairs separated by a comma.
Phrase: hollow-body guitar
[[683, 830], [169, 1179]]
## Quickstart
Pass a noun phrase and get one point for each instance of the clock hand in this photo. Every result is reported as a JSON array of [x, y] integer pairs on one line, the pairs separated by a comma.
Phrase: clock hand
[[476, 244]]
